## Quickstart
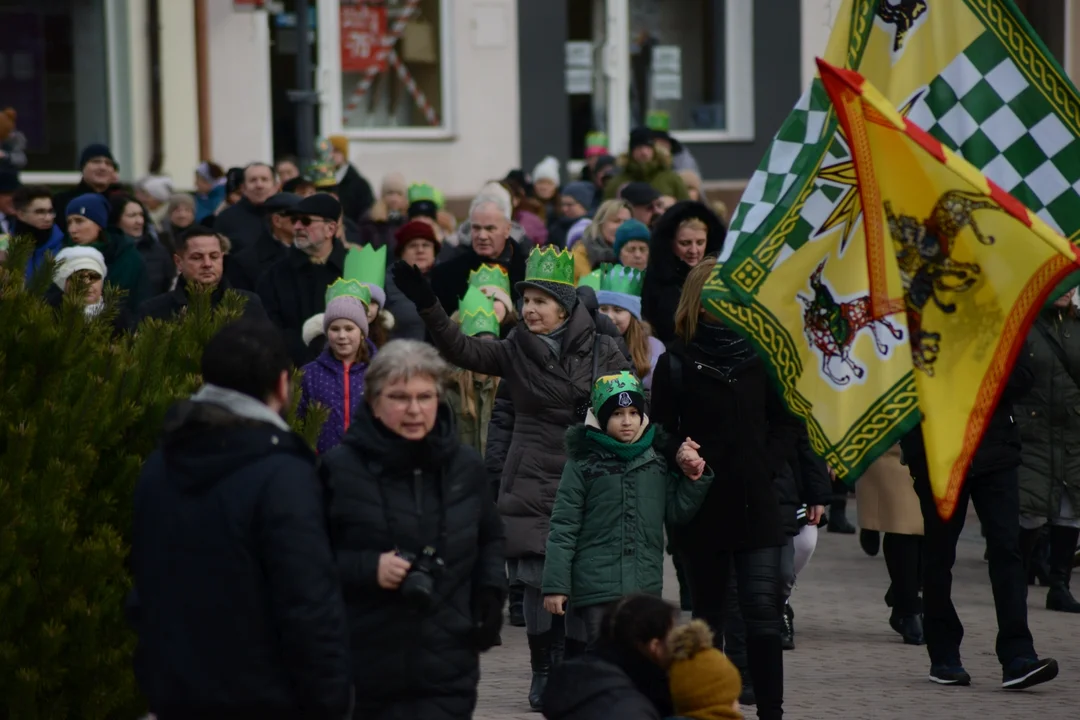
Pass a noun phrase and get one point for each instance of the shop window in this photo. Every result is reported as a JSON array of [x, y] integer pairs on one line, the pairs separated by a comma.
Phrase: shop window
[[55, 78], [392, 56], [694, 67]]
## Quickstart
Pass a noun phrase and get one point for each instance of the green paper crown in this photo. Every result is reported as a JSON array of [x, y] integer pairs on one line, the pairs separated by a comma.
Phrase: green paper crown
[[621, 279], [596, 139], [366, 265], [609, 385], [658, 120], [548, 264], [348, 288], [490, 276], [422, 191], [591, 280], [477, 313]]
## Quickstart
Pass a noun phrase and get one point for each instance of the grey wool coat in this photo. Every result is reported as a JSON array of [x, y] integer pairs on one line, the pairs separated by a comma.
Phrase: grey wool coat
[[547, 392]]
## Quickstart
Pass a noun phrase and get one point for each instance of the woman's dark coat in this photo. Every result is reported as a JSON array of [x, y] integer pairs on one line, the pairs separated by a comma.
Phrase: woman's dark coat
[[746, 435], [666, 273], [547, 393], [389, 494]]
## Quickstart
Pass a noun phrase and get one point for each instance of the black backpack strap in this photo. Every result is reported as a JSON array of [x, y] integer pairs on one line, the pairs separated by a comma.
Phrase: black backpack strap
[[675, 367]]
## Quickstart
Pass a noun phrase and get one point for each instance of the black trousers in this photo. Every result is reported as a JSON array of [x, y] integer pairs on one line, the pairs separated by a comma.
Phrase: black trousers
[[903, 558], [996, 497], [757, 575]]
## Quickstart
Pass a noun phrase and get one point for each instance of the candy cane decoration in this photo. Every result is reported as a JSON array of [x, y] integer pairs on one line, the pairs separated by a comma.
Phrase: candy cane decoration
[[386, 47], [410, 84]]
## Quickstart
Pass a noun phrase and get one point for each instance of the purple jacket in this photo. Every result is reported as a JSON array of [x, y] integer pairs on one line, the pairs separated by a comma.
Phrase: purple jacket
[[324, 383]]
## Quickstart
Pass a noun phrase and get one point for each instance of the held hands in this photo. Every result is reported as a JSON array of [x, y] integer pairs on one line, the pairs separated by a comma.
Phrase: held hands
[[555, 604], [814, 513], [413, 285], [392, 570], [690, 462]]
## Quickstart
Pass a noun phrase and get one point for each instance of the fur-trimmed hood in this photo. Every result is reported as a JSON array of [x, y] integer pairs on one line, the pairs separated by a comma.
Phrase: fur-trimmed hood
[[663, 262], [579, 446]]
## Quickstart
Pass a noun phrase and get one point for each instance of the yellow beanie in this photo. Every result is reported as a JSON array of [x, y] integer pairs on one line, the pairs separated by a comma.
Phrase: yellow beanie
[[704, 683], [340, 143]]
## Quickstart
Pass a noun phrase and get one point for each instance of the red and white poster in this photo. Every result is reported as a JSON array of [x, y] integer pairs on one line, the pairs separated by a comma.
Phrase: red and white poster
[[363, 28]]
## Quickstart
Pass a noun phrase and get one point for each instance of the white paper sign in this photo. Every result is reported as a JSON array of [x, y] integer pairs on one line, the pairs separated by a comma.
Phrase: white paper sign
[[579, 81], [667, 87], [579, 54], [667, 59]]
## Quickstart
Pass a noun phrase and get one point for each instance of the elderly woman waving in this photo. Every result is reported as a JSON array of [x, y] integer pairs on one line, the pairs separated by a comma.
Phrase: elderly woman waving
[[548, 364], [418, 542]]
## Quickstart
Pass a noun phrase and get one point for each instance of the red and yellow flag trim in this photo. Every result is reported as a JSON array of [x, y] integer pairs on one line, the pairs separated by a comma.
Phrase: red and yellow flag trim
[[858, 102]]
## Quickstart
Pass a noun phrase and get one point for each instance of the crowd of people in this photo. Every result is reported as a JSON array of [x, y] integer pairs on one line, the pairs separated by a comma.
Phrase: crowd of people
[[529, 408]]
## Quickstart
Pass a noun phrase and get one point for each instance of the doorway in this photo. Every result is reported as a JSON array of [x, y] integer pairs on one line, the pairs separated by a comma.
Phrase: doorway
[[283, 47]]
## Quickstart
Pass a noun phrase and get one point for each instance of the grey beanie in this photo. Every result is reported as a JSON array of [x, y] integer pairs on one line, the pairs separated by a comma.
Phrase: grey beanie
[[565, 295]]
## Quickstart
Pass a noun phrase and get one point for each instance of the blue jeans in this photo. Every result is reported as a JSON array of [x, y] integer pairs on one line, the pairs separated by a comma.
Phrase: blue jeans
[[996, 497]]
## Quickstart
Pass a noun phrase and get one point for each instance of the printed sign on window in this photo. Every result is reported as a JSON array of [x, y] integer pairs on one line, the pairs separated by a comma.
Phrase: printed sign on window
[[363, 28]]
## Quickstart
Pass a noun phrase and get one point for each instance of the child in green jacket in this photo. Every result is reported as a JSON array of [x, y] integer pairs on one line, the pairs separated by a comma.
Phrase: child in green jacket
[[607, 526]]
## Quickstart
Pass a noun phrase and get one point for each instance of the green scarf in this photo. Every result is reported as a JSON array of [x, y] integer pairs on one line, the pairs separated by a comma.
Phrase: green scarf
[[621, 450]]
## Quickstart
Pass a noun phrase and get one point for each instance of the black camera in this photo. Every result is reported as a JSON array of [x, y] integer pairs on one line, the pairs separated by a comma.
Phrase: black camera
[[418, 587]]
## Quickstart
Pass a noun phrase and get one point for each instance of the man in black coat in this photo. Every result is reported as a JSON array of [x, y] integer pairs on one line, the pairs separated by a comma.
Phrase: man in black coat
[[243, 269], [200, 256], [236, 600], [243, 222], [98, 167], [353, 189], [490, 226], [992, 484], [294, 288]]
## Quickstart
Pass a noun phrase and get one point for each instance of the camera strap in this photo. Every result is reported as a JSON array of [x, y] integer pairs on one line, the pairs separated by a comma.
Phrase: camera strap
[[377, 470]]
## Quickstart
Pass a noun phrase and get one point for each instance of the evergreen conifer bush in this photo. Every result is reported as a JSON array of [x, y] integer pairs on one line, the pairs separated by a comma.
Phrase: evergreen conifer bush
[[80, 410]]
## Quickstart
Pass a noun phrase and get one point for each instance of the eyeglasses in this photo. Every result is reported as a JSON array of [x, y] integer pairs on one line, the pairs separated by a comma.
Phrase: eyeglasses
[[403, 401], [306, 220]]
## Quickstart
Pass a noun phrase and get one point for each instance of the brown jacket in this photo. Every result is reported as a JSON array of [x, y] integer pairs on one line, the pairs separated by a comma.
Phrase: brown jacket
[[886, 497], [547, 392]]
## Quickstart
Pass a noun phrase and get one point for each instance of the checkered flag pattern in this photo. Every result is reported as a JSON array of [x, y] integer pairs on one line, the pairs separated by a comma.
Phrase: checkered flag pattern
[[792, 155], [982, 106]]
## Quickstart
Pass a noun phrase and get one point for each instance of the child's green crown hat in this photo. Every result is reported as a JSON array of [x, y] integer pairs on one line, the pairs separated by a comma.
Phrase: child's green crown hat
[[616, 391], [591, 280], [423, 191], [476, 312], [658, 120], [621, 286], [596, 143], [368, 266], [494, 281], [348, 288]]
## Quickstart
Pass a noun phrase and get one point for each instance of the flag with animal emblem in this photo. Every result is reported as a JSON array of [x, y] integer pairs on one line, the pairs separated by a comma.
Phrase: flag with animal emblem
[[973, 73], [923, 314]]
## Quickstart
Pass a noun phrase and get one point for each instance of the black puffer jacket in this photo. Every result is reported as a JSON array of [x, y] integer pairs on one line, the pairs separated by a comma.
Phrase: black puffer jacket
[[666, 273], [746, 435], [239, 610], [999, 448], [389, 493], [547, 392], [607, 684]]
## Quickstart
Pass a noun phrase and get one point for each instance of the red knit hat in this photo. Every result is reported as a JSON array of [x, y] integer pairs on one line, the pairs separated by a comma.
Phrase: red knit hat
[[414, 230]]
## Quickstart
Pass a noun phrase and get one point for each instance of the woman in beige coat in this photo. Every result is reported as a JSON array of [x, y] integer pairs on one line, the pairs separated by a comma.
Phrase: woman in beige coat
[[888, 503]]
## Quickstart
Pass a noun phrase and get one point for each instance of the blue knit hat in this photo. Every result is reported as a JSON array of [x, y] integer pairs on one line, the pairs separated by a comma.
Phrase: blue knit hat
[[95, 150], [91, 206], [630, 230]]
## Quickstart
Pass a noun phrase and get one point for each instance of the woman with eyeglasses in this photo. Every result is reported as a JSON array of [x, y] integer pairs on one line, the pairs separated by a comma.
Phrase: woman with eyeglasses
[[87, 223], [83, 270], [35, 216], [419, 543]]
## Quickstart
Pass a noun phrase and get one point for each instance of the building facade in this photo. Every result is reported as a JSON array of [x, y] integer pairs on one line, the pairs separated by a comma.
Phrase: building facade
[[449, 92]]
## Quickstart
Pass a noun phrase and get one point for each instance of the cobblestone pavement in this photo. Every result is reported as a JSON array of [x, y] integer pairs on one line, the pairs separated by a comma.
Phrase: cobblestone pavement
[[849, 665]]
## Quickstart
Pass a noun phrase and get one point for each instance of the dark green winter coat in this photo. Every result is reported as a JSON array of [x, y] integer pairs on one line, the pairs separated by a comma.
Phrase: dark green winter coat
[[124, 266], [607, 527], [1049, 418], [656, 172]]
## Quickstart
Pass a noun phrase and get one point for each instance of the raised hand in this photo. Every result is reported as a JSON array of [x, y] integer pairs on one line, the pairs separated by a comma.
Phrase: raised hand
[[413, 285]]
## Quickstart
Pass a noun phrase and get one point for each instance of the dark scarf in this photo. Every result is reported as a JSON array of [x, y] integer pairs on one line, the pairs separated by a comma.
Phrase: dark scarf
[[624, 451], [649, 678], [723, 344], [41, 237]]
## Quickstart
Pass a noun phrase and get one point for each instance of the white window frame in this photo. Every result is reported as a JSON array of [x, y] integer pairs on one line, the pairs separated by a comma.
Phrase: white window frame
[[738, 79], [332, 100]]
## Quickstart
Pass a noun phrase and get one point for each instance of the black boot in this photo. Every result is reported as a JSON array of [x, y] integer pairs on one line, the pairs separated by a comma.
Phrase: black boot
[[787, 631], [1062, 550], [910, 627], [540, 659], [838, 522], [870, 541], [1035, 550], [517, 605]]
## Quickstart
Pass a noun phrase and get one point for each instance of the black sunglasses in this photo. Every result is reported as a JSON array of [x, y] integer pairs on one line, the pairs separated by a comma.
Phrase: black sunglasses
[[306, 220]]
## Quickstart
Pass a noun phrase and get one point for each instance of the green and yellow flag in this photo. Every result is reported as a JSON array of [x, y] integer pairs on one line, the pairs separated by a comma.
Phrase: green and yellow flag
[[861, 333]]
